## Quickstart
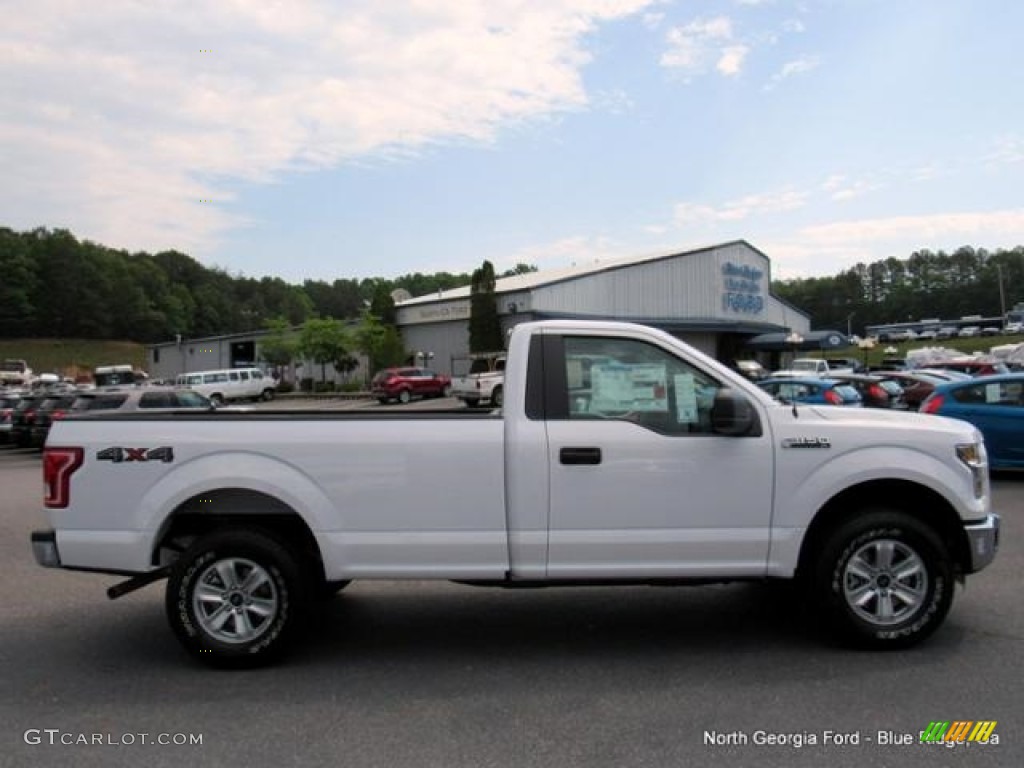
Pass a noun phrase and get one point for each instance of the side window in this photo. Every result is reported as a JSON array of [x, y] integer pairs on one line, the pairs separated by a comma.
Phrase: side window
[[244, 375], [233, 375], [612, 378], [155, 400]]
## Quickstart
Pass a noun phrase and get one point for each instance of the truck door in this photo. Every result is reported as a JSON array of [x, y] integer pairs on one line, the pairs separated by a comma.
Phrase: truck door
[[640, 484]]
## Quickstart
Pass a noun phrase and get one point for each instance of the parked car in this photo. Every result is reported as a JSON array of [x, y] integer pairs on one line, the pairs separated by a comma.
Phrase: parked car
[[991, 330], [751, 369], [230, 384], [972, 366], [969, 331], [403, 384], [873, 392], [140, 398], [916, 385], [792, 389], [8, 402], [22, 419], [993, 404], [1013, 328], [51, 409], [947, 332]]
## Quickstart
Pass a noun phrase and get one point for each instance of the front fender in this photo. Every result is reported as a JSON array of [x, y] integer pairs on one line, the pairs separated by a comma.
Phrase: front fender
[[800, 495]]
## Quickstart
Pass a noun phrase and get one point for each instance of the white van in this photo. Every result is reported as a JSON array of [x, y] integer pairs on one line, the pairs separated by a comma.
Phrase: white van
[[230, 384]]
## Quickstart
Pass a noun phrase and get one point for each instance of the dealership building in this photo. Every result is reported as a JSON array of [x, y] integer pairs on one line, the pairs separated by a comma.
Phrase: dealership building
[[718, 299]]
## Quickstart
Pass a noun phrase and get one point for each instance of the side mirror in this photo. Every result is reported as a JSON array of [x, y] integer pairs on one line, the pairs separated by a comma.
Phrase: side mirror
[[733, 415]]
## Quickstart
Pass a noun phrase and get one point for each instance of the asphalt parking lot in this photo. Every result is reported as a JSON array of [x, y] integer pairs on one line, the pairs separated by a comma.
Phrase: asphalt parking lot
[[425, 674]]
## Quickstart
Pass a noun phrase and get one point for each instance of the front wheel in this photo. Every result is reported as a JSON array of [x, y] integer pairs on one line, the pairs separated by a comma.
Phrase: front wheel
[[404, 396], [498, 397], [234, 597], [884, 580], [268, 395]]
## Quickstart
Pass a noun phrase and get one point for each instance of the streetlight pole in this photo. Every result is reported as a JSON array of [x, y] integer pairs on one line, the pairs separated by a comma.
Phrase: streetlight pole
[[849, 327]]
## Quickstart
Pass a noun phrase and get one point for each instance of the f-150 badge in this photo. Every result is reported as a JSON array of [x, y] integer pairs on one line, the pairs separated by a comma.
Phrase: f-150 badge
[[806, 442]]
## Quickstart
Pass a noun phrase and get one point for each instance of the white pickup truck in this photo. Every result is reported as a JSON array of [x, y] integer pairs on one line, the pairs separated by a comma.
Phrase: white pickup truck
[[622, 455], [814, 366], [485, 382]]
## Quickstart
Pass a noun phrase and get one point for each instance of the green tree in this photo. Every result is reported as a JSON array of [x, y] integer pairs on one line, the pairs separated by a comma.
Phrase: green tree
[[17, 285], [324, 340], [381, 343], [280, 346], [484, 324]]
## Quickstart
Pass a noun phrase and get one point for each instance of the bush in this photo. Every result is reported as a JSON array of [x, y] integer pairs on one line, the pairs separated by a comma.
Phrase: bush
[[352, 386], [285, 387], [306, 385], [323, 386]]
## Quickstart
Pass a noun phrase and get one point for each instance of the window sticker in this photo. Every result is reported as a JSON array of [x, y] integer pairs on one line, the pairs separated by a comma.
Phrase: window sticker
[[686, 398], [617, 387]]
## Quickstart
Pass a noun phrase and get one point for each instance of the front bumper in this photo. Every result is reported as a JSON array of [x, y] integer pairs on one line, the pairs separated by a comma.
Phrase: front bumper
[[983, 542], [44, 547]]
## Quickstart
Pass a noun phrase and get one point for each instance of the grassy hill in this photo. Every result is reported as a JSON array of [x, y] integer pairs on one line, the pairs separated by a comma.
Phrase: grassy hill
[[69, 357]]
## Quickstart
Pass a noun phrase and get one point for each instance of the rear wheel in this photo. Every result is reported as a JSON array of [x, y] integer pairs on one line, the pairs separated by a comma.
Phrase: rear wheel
[[498, 397], [404, 396], [234, 598], [884, 580], [268, 394], [217, 399], [472, 402]]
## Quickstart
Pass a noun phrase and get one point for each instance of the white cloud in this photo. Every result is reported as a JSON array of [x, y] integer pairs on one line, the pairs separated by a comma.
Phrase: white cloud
[[796, 67], [130, 114], [1009, 150], [693, 48], [685, 214], [825, 249], [731, 61]]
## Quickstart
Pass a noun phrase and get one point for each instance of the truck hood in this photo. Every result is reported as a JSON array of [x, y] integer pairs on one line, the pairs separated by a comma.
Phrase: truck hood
[[884, 419]]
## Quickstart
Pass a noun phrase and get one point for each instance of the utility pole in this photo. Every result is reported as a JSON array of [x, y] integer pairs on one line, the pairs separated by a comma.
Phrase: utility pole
[[1002, 295]]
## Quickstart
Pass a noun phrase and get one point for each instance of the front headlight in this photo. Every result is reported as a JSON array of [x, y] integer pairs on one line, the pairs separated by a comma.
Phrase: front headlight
[[973, 455]]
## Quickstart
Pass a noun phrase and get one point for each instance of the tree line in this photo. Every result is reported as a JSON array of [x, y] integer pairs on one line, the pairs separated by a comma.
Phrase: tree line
[[53, 285], [928, 284]]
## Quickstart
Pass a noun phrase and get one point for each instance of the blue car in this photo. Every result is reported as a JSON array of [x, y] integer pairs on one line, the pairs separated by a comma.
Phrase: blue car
[[995, 405], [795, 389]]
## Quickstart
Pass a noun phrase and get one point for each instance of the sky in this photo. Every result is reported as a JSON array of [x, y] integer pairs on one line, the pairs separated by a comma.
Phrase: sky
[[375, 138]]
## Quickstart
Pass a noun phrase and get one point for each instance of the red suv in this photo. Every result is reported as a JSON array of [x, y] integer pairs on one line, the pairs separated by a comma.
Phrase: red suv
[[403, 384]]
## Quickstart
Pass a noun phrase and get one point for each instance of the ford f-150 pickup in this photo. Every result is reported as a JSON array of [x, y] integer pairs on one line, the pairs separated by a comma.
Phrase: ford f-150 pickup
[[621, 455]]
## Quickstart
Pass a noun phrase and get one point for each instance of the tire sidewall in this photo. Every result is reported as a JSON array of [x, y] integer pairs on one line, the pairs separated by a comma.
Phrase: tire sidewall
[[271, 557], [876, 526]]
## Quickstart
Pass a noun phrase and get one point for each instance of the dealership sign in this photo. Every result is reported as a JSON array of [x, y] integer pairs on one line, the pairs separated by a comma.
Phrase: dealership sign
[[743, 290]]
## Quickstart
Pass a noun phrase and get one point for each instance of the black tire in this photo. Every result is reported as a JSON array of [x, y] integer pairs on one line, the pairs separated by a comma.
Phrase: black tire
[[883, 580], [217, 399], [404, 396], [472, 402], [382, 400], [498, 397], [226, 629], [447, 391], [268, 395]]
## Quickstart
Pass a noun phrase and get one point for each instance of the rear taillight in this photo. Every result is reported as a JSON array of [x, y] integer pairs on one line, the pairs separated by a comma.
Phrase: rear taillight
[[877, 393], [932, 404], [30, 417], [832, 397], [58, 466], [57, 415]]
